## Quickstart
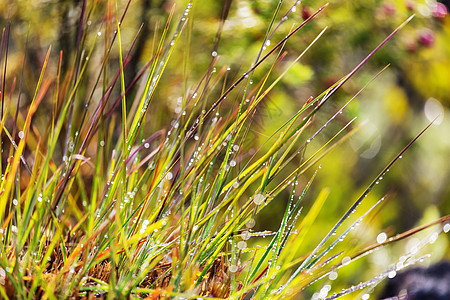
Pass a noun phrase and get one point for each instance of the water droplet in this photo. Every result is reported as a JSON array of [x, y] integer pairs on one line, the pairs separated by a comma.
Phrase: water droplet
[[214, 54], [242, 245], [392, 274], [99, 33], [381, 238], [21, 134], [346, 260], [233, 268], [250, 223], [447, 227], [333, 275], [245, 235], [258, 199], [434, 237]]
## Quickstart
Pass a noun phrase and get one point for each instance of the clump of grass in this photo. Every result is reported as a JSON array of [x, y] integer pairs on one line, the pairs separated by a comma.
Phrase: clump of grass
[[112, 210]]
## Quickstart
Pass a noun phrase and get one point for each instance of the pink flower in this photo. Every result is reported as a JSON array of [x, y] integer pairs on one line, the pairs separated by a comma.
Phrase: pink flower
[[410, 5], [306, 12], [388, 9], [426, 38], [439, 10]]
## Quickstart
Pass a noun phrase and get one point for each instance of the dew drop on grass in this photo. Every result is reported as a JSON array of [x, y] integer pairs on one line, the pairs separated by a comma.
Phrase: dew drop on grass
[[15, 202], [196, 137], [268, 43], [434, 237], [241, 245], [447, 227], [346, 260], [233, 268], [392, 274], [381, 238], [365, 296], [214, 54], [294, 9], [99, 33], [323, 293], [245, 235], [250, 223], [333, 275], [21, 134], [258, 199], [232, 163]]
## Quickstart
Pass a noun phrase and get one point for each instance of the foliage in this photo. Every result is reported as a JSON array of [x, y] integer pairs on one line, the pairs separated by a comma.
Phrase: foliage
[[100, 197]]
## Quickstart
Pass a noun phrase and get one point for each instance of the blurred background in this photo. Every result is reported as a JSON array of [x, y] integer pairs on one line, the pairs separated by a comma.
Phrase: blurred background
[[396, 106]]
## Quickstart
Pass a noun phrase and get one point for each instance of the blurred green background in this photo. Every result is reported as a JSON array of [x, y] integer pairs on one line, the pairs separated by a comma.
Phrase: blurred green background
[[403, 100]]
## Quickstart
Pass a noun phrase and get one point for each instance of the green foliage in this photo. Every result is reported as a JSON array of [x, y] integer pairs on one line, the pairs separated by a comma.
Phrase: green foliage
[[142, 160]]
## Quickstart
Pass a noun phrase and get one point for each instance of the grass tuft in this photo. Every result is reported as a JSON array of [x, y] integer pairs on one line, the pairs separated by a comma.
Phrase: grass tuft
[[95, 203]]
